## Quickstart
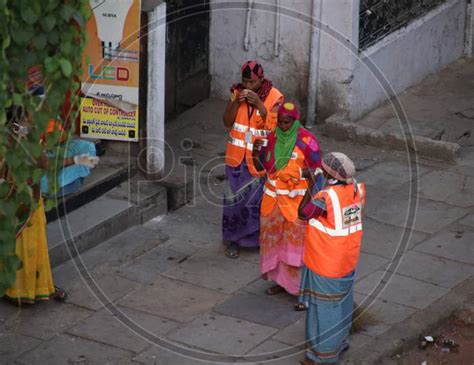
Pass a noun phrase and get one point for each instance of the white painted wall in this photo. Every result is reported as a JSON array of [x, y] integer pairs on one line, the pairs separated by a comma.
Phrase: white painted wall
[[344, 84], [469, 43], [288, 71], [155, 147], [409, 55], [337, 60]]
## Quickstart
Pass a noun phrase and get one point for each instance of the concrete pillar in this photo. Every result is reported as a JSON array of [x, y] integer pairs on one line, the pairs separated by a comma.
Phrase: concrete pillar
[[337, 55], [155, 150], [469, 42]]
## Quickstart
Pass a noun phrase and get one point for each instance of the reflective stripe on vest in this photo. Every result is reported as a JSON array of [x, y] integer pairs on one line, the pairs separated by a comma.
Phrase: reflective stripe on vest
[[240, 127], [256, 132], [290, 193], [338, 231], [240, 143], [274, 182]]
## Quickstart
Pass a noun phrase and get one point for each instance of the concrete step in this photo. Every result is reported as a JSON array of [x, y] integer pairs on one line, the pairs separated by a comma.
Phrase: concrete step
[[340, 128], [101, 181], [131, 203]]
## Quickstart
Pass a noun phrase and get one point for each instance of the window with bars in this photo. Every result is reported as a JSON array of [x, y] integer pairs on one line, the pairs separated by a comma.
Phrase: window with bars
[[379, 18]]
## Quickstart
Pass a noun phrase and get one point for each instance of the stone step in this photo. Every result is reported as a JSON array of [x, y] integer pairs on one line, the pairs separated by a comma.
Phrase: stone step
[[131, 203], [339, 128], [101, 181]]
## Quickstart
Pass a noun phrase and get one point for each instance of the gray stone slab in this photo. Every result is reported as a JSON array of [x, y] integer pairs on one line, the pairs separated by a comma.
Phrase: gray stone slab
[[113, 287], [148, 267], [7, 313], [258, 286], [389, 175], [468, 220], [106, 328], [368, 264], [221, 334], [73, 350], [465, 197], [386, 240], [187, 223], [435, 270], [356, 341], [430, 216], [275, 353], [112, 253], [251, 255], [402, 290], [185, 247], [173, 299], [158, 356], [439, 185], [259, 309], [454, 245], [84, 219], [84, 228], [294, 334], [374, 329], [386, 312], [13, 345], [449, 187], [215, 271], [45, 322]]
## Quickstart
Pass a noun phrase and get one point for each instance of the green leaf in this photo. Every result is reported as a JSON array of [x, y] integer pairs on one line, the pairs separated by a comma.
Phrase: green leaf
[[52, 4], [66, 49], [29, 14], [17, 99], [50, 64], [48, 23], [8, 208], [22, 36], [40, 40], [50, 204], [6, 41], [67, 12], [66, 67], [53, 37], [37, 175]]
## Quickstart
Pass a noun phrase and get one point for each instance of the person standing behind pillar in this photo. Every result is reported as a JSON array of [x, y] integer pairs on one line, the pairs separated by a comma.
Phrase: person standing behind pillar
[[251, 114]]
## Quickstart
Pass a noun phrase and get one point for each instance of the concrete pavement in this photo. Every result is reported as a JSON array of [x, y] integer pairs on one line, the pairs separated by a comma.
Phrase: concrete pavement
[[168, 281]]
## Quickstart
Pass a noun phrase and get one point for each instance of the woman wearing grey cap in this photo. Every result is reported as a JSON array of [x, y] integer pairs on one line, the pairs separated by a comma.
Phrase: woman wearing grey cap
[[331, 254]]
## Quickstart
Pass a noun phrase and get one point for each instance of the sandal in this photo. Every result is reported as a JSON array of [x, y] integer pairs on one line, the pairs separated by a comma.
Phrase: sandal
[[233, 251], [274, 290], [59, 295], [300, 306]]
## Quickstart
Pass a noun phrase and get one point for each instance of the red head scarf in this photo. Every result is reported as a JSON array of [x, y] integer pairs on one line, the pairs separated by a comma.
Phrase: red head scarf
[[289, 109], [252, 70]]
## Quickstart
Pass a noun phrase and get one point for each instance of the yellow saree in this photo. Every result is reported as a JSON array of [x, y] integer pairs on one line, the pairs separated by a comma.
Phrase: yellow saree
[[34, 280]]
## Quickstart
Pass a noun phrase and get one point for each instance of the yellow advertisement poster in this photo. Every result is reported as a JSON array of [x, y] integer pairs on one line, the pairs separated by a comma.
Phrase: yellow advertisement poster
[[111, 58], [100, 120]]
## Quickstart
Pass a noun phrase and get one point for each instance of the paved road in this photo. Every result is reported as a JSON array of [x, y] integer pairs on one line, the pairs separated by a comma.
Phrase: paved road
[[170, 282]]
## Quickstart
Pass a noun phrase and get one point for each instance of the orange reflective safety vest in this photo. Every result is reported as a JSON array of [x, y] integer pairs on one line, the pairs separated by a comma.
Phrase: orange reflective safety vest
[[333, 241], [286, 195], [247, 128]]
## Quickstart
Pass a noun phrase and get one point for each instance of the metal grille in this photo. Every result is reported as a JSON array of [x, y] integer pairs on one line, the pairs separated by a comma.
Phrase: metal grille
[[379, 18]]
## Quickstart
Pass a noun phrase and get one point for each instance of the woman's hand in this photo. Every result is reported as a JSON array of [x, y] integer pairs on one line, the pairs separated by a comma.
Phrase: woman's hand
[[257, 147], [252, 97]]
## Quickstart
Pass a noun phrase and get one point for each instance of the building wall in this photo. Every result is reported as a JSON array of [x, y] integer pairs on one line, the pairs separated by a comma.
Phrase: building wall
[[405, 57], [409, 55], [288, 71], [337, 55]]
